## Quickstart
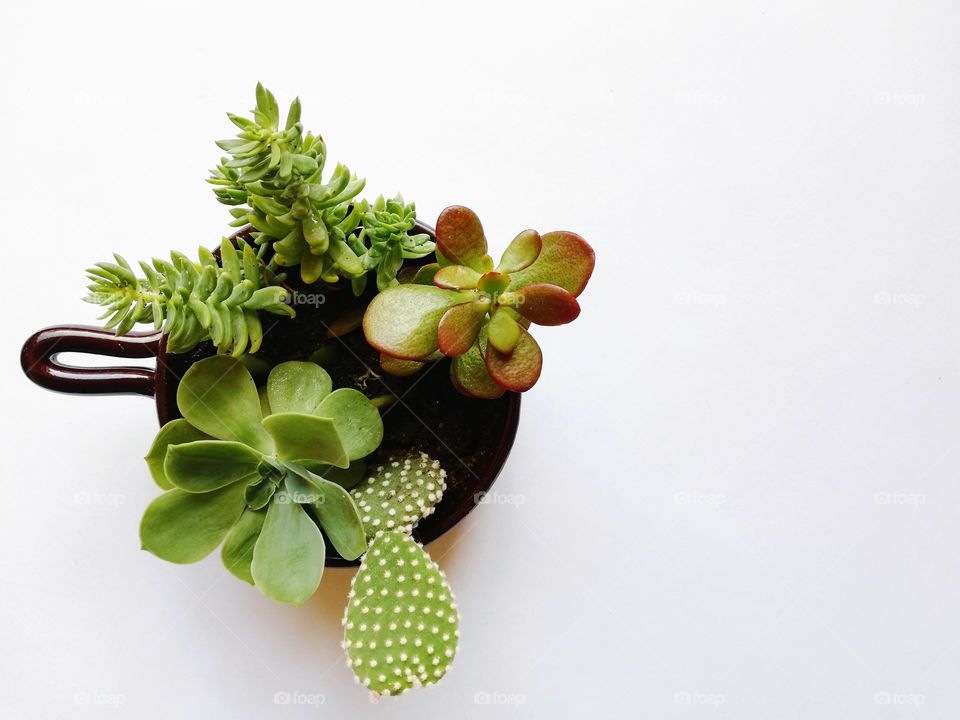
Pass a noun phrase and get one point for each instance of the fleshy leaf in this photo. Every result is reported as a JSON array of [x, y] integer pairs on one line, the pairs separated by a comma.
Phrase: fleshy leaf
[[504, 332], [469, 375], [297, 387], [425, 274], [337, 514], [518, 371], [456, 277], [399, 368], [460, 326], [399, 493], [344, 477], [205, 465], [184, 527], [402, 321], [306, 437], [565, 260], [545, 304], [460, 238], [174, 432], [237, 550], [401, 625], [289, 556], [521, 252], [217, 396], [357, 420]]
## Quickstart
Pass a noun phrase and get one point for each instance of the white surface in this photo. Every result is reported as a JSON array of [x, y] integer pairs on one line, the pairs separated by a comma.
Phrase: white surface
[[769, 345]]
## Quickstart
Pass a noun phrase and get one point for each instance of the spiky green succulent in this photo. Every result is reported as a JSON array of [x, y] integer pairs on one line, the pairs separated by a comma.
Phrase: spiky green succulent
[[398, 494], [386, 241], [191, 301], [273, 180]]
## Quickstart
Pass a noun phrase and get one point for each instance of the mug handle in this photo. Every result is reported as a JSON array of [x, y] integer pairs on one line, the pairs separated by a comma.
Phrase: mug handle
[[39, 360]]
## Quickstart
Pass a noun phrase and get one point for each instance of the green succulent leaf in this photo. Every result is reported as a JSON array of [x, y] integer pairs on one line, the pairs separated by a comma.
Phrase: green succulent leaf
[[217, 395], [306, 437], [518, 370], [468, 373], [174, 432], [297, 387], [460, 326], [237, 550], [399, 493], [184, 527], [565, 260], [344, 477], [456, 277], [204, 465], [504, 332], [400, 368], [336, 513], [401, 624], [289, 554], [402, 321], [522, 251], [460, 238], [357, 420]]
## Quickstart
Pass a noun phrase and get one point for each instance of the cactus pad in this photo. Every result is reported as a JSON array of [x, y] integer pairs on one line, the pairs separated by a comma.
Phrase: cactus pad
[[401, 623], [398, 494]]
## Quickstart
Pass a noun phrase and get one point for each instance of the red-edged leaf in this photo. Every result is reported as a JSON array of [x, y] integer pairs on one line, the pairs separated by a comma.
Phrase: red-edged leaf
[[518, 371], [402, 321], [460, 237], [456, 277], [521, 252], [493, 283], [565, 260], [425, 274], [469, 375], [504, 332], [399, 368], [460, 326], [546, 304]]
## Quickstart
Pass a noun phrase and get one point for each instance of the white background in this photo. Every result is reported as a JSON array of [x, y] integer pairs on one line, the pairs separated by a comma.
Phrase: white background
[[735, 488]]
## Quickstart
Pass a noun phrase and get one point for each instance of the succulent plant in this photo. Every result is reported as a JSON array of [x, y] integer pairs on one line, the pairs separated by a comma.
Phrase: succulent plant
[[386, 227], [401, 624], [259, 483], [272, 179], [478, 314], [399, 493], [191, 301]]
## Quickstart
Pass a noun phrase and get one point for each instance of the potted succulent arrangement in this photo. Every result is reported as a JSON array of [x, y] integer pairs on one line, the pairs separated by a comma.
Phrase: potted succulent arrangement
[[304, 422]]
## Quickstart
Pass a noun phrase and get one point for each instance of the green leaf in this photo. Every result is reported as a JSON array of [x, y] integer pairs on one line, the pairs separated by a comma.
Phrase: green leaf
[[402, 321], [259, 493], [184, 527], [521, 252], [205, 465], [460, 326], [307, 437], [456, 277], [357, 420], [565, 260], [396, 644], [468, 373], [519, 370], [344, 477], [297, 387], [174, 432], [237, 550], [289, 556], [217, 395], [460, 238], [399, 493], [400, 368], [504, 332], [336, 512]]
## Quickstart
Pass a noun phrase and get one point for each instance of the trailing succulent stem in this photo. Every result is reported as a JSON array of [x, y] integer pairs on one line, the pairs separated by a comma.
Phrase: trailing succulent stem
[[191, 301]]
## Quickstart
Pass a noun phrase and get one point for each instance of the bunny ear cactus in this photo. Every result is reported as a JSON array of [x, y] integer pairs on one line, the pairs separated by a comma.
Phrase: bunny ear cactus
[[397, 495], [257, 484], [478, 313]]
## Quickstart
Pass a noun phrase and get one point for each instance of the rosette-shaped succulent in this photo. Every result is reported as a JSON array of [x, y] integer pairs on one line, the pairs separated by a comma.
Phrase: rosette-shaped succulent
[[261, 474], [466, 308], [386, 227]]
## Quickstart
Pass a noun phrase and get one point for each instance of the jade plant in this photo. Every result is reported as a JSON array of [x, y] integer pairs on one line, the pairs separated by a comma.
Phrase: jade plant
[[479, 314], [273, 474]]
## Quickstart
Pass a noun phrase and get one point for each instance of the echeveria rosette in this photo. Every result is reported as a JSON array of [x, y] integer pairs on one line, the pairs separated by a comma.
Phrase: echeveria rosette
[[386, 240], [466, 308], [261, 475], [273, 180]]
